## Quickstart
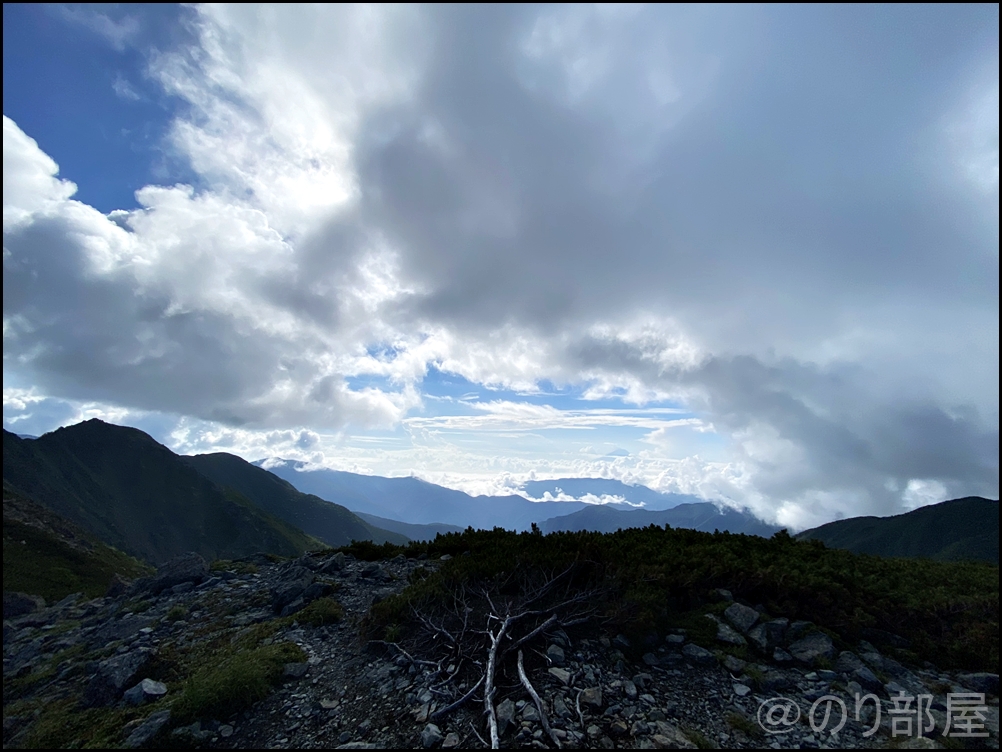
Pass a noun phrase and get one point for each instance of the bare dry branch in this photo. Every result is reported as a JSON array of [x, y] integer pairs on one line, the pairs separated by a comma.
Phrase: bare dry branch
[[465, 698], [547, 729]]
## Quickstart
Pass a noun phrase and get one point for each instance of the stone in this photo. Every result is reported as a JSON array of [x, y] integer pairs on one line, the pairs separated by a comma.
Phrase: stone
[[529, 713], [334, 564], [981, 682], [671, 737], [650, 659], [866, 679], [317, 590], [774, 681], [781, 656], [146, 691], [226, 731], [291, 587], [182, 588], [675, 640], [734, 664], [813, 647], [451, 740], [117, 586], [189, 567], [848, 662], [295, 670], [797, 629], [741, 617], [560, 708], [592, 697], [560, 674], [114, 675], [768, 634], [505, 712], [373, 570], [431, 735], [20, 604], [699, 656], [291, 608], [630, 690], [147, 730], [618, 728], [728, 635], [741, 690], [556, 654]]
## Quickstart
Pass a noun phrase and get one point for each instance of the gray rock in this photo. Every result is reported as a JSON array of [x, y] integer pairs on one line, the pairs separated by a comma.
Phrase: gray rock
[[291, 608], [333, 564], [781, 656], [769, 634], [741, 690], [451, 740], [114, 675], [147, 690], [734, 665], [19, 604], [728, 635], [848, 662], [699, 656], [189, 567], [722, 595], [813, 647], [117, 587], [560, 708], [592, 697], [866, 679], [774, 681], [669, 736], [981, 682], [147, 730], [505, 712], [556, 654], [797, 630], [560, 674], [373, 570], [295, 670], [529, 713], [675, 640], [226, 731], [741, 617], [184, 587], [651, 659], [630, 690], [291, 587]]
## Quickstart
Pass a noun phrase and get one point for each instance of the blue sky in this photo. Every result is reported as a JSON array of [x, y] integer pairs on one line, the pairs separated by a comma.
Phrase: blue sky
[[747, 253]]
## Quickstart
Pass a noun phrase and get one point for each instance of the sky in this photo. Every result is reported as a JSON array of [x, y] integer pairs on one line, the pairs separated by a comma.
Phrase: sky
[[746, 253]]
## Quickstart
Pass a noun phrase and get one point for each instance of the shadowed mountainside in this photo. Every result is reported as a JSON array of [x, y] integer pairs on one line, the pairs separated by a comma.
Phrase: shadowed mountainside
[[956, 530], [330, 522], [132, 493], [702, 516]]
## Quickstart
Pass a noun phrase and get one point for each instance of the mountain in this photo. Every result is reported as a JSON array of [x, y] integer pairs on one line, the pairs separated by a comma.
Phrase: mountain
[[633, 494], [134, 494], [416, 501], [45, 554], [703, 516], [412, 532], [331, 523], [954, 530]]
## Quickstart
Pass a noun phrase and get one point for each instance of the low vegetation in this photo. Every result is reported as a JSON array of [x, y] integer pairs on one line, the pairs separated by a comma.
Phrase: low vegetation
[[654, 579]]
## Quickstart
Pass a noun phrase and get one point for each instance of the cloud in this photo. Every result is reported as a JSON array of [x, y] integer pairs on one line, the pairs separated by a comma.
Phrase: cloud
[[119, 33], [769, 216]]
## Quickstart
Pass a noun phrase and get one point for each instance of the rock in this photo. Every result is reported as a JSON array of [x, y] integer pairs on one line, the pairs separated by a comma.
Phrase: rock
[[147, 730], [781, 656], [848, 662], [560, 708], [814, 647], [721, 595], [291, 608], [734, 665], [769, 634], [699, 656], [117, 587], [114, 675], [295, 670], [373, 570], [728, 635], [866, 679], [147, 690], [675, 640], [184, 587], [560, 674], [291, 587], [317, 590], [592, 697], [797, 630], [741, 617], [189, 567], [451, 740], [226, 731], [774, 681], [529, 713], [431, 735], [505, 712], [445, 557], [333, 564], [640, 728], [19, 604], [650, 659], [741, 690], [556, 654], [981, 682], [671, 737], [630, 690]]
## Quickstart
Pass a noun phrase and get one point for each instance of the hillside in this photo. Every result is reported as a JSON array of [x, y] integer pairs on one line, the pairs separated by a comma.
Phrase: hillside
[[44, 554], [961, 529], [134, 494], [412, 532], [331, 523], [700, 516]]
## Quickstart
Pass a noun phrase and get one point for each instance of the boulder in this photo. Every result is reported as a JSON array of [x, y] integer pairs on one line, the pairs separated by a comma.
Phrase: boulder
[[147, 690], [291, 587], [812, 648], [848, 662], [699, 656], [114, 675], [19, 604], [556, 654], [505, 712], [741, 617], [117, 587], [768, 634], [592, 697], [729, 636], [334, 564], [981, 682], [149, 728], [189, 567]]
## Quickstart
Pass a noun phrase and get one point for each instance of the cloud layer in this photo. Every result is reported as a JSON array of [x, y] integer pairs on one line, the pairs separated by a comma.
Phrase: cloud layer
[[784, 220]]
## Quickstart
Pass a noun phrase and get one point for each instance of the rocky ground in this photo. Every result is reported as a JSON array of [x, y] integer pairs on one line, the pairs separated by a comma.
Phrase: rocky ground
[[112, 658]]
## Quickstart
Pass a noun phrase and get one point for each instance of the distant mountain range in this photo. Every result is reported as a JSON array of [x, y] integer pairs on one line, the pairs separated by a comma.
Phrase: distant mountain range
[[961, 529], [703, 516]]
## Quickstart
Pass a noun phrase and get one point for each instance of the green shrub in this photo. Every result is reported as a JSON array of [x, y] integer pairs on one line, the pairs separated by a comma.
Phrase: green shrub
[[320, 612]]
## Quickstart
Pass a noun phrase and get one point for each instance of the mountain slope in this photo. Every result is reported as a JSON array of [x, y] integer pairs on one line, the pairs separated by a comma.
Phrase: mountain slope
[[44, 554], [413, 532], [953, 530], [331, 523], [132, 493], [701, 516]]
